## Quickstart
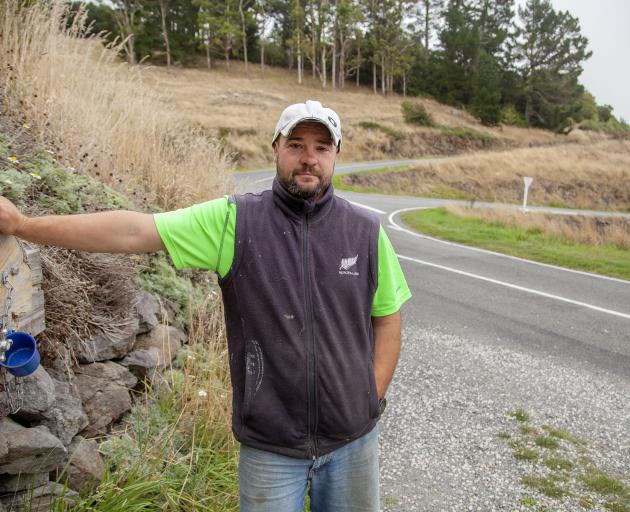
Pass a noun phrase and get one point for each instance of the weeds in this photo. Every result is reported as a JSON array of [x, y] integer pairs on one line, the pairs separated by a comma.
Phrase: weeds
[[416, 113], [532, 244], [390, 132], [566, 475], [176, 451]]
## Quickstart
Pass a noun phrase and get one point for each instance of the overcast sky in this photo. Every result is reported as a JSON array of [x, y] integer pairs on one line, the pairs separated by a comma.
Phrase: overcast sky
[[606, 23]]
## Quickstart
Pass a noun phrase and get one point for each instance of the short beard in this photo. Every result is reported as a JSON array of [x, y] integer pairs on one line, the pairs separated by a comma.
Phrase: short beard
[[293, 188]]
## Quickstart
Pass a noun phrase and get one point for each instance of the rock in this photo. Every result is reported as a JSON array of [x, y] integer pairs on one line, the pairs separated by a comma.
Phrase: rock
[[22, 481], [149, 312], [40, 499], [105, 346], [86, 464], [29, 450], [166, 338], [154, 351], [38, 393], [66, 417], [104, 390], [60, 368], [143, 363]]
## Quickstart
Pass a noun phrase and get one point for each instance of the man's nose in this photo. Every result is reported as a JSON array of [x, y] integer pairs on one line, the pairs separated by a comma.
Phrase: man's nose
[[308, 157]]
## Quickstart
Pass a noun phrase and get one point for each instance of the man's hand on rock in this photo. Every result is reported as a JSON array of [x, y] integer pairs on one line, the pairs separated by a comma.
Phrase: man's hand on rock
[[11, 220]]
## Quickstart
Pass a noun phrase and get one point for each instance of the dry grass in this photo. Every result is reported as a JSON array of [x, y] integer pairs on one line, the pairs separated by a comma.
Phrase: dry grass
[[591, 176], [218, 99], [96, 112], [97, 288], [577, 228]]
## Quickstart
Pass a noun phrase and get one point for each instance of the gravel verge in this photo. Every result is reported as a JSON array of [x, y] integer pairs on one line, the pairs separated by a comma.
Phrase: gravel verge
[[451, 398]]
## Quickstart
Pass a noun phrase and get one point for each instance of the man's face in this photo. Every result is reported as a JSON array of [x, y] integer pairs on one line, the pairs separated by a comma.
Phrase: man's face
[[305, 160]]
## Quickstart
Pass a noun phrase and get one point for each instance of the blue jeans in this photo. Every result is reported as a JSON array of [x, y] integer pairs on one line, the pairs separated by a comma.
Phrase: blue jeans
[[341, 481]]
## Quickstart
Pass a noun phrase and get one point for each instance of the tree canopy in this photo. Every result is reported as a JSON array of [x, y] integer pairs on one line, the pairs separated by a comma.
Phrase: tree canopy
[[483, 55]]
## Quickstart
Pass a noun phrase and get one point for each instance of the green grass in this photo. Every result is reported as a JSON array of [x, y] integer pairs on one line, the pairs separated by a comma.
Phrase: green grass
[[563, 473], [172, 455], [547, 442], [562, 434], [602, 483], [390, 132], [545, 485], [521, 452], [606, 260], [467, 133], [558, 463], [520, 415]]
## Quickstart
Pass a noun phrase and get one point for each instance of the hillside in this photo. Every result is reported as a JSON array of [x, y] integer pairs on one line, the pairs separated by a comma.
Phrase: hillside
[[242, 109]]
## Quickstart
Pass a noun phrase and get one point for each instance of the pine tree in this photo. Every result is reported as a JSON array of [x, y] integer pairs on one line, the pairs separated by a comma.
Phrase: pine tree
[[486, 89], [551, 50]]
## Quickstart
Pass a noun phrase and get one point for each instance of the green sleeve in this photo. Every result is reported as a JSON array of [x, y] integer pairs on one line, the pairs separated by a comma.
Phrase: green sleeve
[[201, 236], [392, 291]]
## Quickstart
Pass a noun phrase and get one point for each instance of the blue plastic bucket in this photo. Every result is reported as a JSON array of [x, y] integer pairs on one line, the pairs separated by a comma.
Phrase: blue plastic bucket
[[22, 358]]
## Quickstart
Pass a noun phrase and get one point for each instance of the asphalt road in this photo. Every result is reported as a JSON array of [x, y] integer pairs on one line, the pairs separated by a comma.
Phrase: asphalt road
[[564, 328]]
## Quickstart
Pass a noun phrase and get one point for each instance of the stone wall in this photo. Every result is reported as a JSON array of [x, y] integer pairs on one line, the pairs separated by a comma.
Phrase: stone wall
[[67, 407]]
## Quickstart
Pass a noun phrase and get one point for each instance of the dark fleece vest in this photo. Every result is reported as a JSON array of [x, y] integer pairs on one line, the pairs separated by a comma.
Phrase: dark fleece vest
[[298, 302]]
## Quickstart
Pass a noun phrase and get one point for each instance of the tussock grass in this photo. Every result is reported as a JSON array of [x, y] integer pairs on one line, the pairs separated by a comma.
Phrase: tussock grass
[[597, 231], [209, 99], [97, 114], [606, 259], [587, 175]]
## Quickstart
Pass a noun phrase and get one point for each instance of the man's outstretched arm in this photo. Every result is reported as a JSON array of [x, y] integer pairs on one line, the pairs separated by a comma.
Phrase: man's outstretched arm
[[114, 232], [386, 349]]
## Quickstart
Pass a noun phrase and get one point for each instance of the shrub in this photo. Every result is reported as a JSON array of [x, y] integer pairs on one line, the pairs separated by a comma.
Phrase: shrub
[[415, 113], [370, 125], [511, 116]]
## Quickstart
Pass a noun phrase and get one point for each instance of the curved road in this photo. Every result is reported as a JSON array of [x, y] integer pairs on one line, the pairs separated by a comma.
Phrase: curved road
[[486, 334]]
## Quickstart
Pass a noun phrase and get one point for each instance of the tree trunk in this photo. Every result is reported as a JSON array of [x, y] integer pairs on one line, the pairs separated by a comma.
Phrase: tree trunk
[[358, 63], [227, 57], [208, 59], [333, 77], [426, 27], [324, 70], [383, 86], [240, 10], [374, 75], [262, 56], [299, 58], [163, 9], [405, 84], [342, 65]]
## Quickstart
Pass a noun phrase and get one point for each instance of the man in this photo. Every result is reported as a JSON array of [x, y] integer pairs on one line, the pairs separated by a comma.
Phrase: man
[[312, 291]]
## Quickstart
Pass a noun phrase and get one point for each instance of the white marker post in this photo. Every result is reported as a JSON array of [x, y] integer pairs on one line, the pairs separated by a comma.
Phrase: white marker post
[[528, 181]]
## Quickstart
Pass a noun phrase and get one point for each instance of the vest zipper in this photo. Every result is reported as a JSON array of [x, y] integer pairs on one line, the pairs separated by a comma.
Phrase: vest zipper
[[311, 358]]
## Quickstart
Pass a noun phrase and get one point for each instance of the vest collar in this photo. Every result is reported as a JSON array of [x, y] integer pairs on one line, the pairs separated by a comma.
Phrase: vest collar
[[297, 206]]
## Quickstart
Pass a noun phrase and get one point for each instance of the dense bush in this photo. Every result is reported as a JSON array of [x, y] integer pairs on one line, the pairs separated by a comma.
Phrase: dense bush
[[415, 113]]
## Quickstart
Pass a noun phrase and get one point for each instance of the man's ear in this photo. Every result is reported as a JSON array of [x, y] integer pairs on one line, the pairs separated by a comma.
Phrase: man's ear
[[274, 145]]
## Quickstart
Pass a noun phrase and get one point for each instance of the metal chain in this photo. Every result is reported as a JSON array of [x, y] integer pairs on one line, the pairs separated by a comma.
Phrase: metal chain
[[12, 390], [13, 393], [4, 320]]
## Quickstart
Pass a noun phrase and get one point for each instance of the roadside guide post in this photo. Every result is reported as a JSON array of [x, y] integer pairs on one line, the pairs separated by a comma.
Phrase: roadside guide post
[[528, 181]]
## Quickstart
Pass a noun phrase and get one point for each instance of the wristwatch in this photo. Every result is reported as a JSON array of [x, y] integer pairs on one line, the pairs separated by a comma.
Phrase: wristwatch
[[382, 403]]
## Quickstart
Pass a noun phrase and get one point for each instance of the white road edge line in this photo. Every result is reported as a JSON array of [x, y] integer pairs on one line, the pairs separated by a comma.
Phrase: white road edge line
[[517, 287], [486, 251], [264, 179], [375, 210]]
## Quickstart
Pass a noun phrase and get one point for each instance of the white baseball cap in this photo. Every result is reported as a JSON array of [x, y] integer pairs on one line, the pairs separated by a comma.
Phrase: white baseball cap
[[309, 111]]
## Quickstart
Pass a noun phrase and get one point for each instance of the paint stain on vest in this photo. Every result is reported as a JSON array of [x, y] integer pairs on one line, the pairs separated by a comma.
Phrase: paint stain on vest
[[255, 368]]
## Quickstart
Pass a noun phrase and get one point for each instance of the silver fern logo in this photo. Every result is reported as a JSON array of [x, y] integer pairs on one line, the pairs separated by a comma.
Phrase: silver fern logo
[[347, 264]]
